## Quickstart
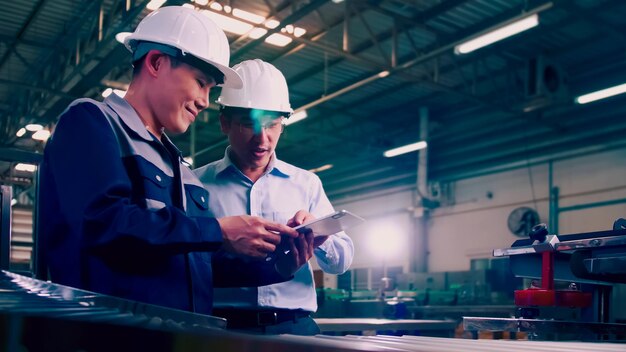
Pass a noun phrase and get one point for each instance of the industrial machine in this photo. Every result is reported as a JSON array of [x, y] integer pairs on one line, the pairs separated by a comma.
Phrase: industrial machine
[[572, 299], [40, 316]]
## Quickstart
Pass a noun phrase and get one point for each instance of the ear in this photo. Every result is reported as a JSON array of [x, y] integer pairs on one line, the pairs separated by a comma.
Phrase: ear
[[225, 124], [154, 61]]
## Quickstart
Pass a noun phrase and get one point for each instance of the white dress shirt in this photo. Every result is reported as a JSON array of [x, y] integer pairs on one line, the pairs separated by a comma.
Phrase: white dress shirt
[[277, 196]]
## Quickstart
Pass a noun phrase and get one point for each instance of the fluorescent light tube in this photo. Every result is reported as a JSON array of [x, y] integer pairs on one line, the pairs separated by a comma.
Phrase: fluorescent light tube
[[271, 24], [108, 92], [278, 39], [405, 149], [34, 127], [248, 16], [42, 135], [121, 36], [322, 168], [299, 32], [497, 34], [26, 167], [601, 94], [257, 33], [155, 4], [295, 117], [228, 24]]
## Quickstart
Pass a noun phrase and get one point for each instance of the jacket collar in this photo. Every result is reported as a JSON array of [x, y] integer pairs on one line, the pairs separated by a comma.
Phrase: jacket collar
[[128, 115]]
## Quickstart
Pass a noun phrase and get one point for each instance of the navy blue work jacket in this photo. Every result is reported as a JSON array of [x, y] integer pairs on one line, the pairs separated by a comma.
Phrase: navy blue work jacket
[[120, 214]]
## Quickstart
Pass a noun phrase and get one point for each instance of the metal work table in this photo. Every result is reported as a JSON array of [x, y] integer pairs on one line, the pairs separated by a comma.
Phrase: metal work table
[[457, 312], [370, 326]]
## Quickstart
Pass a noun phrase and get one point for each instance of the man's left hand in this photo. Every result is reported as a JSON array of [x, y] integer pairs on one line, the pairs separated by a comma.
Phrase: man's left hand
[[301, 217]]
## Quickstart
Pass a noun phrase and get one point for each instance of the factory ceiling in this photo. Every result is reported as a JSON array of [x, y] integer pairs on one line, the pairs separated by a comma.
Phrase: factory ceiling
[[371, 75]]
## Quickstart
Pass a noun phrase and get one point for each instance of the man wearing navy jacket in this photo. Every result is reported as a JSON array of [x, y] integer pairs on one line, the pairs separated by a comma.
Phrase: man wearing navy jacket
[[120, 213]]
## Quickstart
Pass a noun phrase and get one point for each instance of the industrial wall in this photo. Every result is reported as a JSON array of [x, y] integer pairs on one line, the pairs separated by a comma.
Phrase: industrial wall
[[477, 222]]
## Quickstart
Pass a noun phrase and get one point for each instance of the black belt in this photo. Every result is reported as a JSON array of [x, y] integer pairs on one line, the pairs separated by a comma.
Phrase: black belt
[[247, 318]]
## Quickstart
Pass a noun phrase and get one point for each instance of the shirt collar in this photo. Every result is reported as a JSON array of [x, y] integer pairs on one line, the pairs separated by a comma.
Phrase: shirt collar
[[275, 167], [128, 115]]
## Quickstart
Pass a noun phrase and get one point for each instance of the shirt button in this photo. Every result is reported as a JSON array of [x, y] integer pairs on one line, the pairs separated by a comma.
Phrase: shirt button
[[158, 178], [202, 199]]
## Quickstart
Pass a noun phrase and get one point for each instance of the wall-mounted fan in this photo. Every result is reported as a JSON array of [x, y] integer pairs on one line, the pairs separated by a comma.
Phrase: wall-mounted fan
[[521, 221]]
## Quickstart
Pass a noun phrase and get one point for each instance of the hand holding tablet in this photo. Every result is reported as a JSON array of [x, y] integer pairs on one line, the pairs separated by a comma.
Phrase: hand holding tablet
[[331, 224], [325, 226]]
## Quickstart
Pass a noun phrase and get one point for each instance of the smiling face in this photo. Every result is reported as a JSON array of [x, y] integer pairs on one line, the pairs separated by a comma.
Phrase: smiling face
[[252, 141], [180, 92]]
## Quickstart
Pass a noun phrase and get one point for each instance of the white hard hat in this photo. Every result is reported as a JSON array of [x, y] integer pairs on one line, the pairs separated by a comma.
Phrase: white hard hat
[[264, 88], [192, 33]]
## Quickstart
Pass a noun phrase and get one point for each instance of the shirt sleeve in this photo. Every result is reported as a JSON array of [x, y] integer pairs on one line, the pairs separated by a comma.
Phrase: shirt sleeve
[[96, 195], [335, 255]]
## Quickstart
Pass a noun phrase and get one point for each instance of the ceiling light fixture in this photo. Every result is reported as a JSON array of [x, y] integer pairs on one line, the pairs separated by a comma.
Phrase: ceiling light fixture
[[241, 27], [228, 24], [34, 127], [21, 132], [601, 94], [298, 32], [498, 33], [121, 93], [42, 135], [298, 115], [121, 36], [155, 4], [278, 39], [321, 168], [25, 167], [271, 24], [248, 16], [257, 33], [405, 149]]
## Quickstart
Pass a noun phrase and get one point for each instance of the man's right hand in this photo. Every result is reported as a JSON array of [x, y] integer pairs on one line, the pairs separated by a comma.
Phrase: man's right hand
[[251, 235]]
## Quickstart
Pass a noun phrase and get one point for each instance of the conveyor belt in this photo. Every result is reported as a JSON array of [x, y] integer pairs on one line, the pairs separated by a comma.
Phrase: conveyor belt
[[40, 316]]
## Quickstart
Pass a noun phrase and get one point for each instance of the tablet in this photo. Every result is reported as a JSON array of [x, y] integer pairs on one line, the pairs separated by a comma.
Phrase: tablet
[[331, 224]]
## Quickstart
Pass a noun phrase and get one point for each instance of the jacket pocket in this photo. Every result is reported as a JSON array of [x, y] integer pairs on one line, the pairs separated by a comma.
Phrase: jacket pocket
[[199, 199], [157, 186]]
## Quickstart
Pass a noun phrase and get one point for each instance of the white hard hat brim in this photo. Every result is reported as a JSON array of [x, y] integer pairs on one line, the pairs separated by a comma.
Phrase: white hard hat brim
[[231, 77]]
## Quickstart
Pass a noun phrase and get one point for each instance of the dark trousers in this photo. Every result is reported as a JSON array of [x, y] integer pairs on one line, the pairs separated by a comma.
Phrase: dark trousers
[[269, 322]]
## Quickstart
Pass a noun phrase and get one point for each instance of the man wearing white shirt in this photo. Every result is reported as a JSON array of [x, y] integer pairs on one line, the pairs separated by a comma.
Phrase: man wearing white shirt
[[251, 180]]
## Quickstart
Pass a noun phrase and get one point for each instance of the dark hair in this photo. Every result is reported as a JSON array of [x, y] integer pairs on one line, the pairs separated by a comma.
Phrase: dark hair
[[190, 60]]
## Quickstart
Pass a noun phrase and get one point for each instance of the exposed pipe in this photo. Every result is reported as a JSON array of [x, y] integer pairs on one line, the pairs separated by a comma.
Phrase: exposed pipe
[[101, 22], [421, 213], [346, 27]]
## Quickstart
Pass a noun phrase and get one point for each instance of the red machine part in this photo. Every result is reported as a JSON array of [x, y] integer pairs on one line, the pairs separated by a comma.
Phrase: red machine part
[[546, 296]]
